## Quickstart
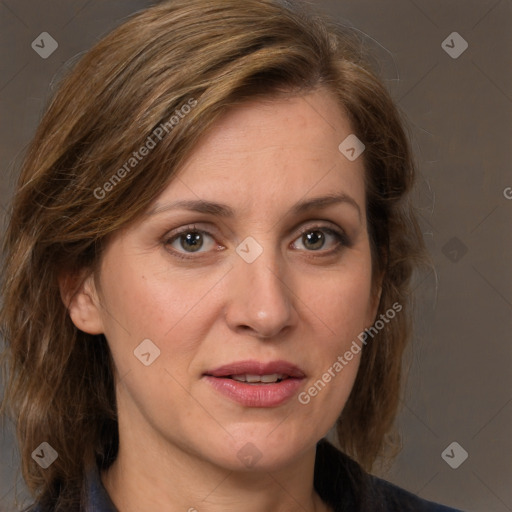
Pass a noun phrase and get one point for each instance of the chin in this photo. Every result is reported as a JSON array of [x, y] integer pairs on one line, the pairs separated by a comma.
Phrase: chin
[[259, 452]]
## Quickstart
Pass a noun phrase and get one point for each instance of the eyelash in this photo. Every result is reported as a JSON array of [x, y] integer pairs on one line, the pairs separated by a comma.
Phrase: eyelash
[[341, 238]]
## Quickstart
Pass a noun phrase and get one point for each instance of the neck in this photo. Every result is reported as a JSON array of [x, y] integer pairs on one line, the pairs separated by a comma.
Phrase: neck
[[140, 480]]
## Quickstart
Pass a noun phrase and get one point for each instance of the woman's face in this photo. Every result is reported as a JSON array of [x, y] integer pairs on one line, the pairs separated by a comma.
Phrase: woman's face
[[254, 270]]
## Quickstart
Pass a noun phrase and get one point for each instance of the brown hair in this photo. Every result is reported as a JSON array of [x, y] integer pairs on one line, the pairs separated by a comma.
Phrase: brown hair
[[60, 386]]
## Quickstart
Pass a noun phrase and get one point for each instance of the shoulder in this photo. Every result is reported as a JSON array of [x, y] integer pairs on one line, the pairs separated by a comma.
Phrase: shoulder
[[344, 485], [37, 507], [393, 498], [94, 498]]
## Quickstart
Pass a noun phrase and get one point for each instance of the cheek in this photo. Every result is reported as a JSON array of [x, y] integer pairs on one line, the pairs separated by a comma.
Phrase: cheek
[[151, 303], [343, 300], [341, 304], [147, 301]]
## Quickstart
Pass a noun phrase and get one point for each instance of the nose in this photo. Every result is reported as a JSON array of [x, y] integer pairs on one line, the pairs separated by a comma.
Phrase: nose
[[260, 303]]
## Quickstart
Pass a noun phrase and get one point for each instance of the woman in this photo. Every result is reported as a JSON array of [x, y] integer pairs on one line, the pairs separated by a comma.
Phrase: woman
[[207, 268]]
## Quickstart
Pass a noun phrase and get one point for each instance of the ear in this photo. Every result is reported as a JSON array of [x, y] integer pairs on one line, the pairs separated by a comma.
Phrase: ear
[[79, 294]]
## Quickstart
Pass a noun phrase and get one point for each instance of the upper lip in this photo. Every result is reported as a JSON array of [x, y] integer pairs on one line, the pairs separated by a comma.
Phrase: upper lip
[[257, 368]]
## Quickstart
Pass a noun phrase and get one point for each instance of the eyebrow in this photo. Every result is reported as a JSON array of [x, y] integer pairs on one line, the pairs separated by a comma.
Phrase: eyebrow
[[225, 211]]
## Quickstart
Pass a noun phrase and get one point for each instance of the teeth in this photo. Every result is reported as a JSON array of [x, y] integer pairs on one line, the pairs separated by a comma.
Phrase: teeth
[[274, 377]]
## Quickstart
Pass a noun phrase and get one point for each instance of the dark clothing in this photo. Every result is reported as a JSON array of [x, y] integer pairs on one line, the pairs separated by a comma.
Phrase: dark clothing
[[339, 481], [346, 487]]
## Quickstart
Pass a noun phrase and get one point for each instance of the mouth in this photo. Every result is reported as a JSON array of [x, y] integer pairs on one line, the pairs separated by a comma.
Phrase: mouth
[[259, 379], [256, 384], [253, 371]]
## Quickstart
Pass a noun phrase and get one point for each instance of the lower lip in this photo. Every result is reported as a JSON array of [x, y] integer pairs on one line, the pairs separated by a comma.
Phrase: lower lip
[[256, 395]]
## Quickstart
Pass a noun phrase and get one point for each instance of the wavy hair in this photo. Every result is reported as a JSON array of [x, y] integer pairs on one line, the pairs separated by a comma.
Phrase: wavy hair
[[59, 380]]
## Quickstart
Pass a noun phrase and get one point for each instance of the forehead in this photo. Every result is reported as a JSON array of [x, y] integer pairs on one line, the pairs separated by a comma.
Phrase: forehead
[[265, 154]]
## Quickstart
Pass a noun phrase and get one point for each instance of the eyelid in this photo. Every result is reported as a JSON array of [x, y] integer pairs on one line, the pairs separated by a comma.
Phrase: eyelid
[[185, 229], [320, 224]]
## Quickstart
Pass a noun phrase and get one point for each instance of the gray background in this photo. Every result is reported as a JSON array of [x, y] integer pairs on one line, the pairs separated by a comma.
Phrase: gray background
[[460, 117]]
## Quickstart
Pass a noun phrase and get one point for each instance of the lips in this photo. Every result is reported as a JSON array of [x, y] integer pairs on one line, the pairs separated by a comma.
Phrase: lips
[[256, 384], [257, 368]]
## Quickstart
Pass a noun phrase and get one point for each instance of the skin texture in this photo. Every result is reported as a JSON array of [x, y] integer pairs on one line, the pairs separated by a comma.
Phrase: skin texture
[[299, 301]]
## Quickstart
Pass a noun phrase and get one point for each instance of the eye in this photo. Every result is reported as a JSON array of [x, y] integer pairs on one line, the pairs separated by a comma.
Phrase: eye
[[314, 238], [190, 240]]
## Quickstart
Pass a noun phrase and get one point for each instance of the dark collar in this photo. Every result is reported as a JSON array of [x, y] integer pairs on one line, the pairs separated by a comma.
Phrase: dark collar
[[98, 499]]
